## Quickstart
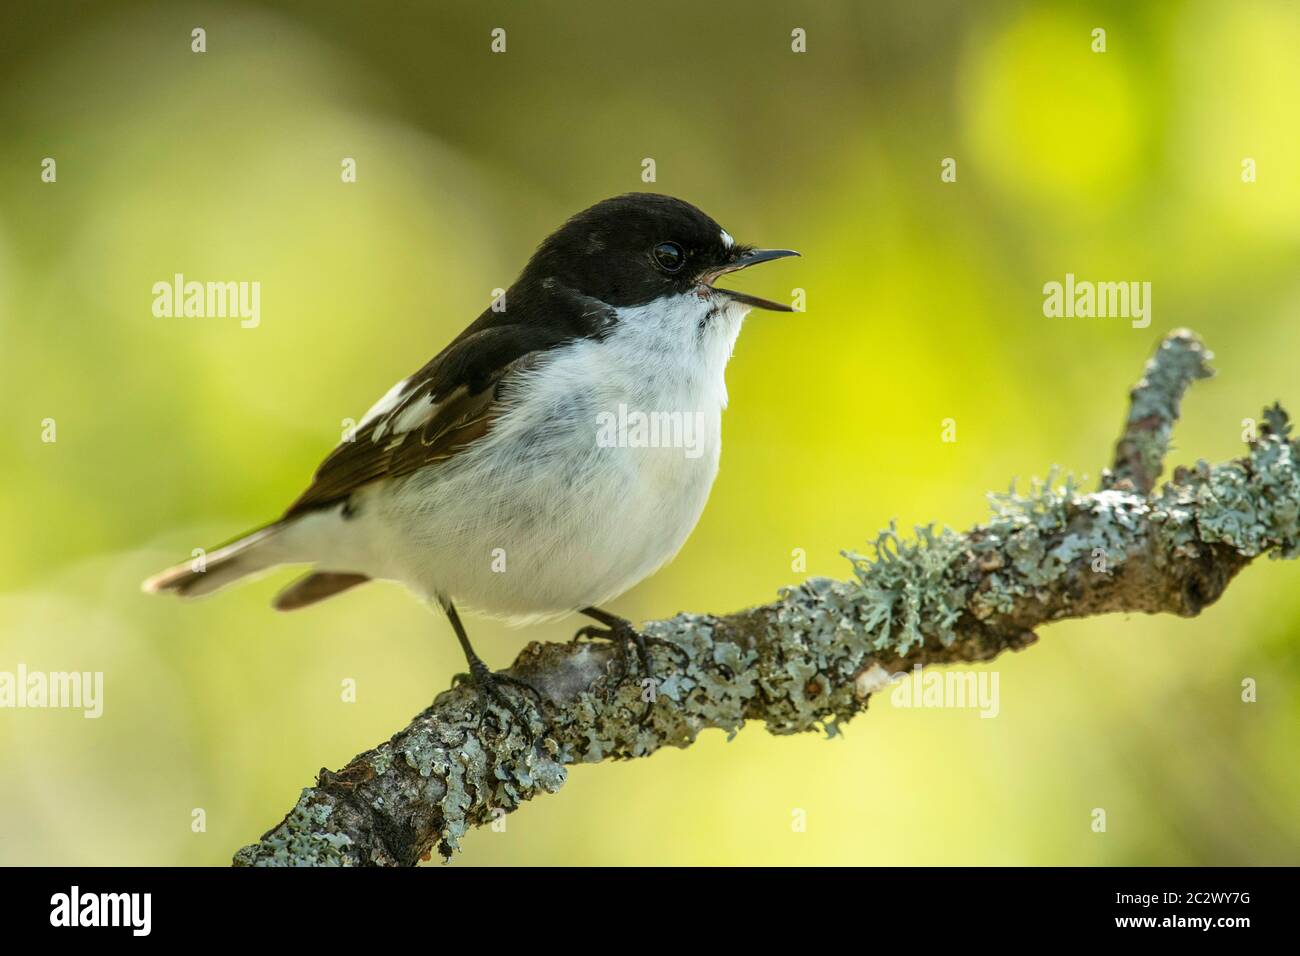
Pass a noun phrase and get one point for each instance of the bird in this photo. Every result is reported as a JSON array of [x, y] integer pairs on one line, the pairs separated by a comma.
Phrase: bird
[[514, 474]]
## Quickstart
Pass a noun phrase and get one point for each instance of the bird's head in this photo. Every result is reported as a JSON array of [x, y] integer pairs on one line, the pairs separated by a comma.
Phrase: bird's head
[[641, 247]]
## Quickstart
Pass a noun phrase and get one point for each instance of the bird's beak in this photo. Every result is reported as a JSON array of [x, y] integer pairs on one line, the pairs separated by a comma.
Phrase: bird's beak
[[747, 258]]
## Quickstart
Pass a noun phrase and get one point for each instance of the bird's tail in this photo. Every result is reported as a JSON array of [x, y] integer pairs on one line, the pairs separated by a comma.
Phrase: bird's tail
[[207, 573]]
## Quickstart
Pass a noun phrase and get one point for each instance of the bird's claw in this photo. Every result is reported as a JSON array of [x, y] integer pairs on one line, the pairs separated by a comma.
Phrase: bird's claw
[[490, 686], [627, 637]]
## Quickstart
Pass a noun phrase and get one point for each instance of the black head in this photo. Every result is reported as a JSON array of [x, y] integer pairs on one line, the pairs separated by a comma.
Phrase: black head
[[639, 247]]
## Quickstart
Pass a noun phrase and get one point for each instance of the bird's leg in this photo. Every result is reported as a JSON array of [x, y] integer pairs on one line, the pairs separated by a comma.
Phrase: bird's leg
[[620, 631], [488, 683]]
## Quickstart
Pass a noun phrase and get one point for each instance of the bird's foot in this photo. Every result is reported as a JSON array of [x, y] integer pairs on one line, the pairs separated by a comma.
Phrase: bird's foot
[[492, 686], [621, 632]]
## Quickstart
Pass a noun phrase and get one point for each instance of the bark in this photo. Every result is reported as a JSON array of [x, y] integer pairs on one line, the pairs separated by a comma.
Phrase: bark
[[812, 658]]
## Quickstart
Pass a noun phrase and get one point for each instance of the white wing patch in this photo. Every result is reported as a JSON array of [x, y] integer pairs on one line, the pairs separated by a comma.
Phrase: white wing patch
[[385, 404], [411, 417], [398, 412]]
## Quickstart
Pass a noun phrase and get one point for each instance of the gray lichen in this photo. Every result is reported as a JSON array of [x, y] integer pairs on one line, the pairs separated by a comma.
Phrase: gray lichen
[[1251, 505], [303, 839], [909, 589], [1153, 409]]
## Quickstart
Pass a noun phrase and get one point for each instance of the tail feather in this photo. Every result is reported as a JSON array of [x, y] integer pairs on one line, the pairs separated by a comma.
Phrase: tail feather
[[211, 572], [315, 586]]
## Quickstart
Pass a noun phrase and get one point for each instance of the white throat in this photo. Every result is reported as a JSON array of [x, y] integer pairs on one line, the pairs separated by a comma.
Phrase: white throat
[[678, 346]]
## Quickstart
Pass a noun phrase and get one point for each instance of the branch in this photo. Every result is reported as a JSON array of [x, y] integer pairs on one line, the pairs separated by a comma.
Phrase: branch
[[1153, 410], [812, 658]]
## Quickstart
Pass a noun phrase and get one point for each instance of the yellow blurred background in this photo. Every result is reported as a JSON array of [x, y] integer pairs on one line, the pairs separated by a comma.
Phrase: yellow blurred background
[[924, 303]]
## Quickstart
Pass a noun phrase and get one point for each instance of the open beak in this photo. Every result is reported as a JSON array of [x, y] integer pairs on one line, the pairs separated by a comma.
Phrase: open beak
[[751, 257]]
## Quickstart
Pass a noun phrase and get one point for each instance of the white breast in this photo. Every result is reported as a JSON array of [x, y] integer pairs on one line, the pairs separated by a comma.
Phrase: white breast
[[567, 501]]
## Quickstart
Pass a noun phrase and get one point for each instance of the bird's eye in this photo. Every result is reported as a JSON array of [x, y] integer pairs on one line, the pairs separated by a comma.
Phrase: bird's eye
[[670, 256]]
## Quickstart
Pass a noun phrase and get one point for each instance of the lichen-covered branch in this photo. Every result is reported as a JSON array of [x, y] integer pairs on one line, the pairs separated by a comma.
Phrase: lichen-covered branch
[[812, 658], [1153, 410]]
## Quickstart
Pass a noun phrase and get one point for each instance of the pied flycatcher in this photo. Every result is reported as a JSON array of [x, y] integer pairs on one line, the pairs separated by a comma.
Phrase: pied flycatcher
[[483, 478]]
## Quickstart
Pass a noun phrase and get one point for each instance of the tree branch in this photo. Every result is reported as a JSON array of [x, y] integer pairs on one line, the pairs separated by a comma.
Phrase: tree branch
[[812, 658]]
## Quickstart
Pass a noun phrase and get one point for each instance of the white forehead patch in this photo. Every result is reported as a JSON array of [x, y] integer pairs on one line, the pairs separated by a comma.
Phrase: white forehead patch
[[727, 240]]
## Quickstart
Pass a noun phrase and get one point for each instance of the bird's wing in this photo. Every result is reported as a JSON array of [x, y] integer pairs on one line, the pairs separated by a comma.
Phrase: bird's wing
[[447, 404], [427, 418]]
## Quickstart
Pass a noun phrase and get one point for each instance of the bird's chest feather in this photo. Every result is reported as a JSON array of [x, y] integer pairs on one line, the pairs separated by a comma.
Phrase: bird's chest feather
[[641, 410], [595, 473], [622, 439]]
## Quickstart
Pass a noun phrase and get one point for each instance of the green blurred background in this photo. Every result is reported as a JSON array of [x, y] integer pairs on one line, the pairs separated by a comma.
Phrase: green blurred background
[[924, 302]]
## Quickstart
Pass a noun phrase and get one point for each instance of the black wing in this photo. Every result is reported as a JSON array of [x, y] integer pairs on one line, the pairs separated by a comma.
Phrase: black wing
[[454, 398]]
